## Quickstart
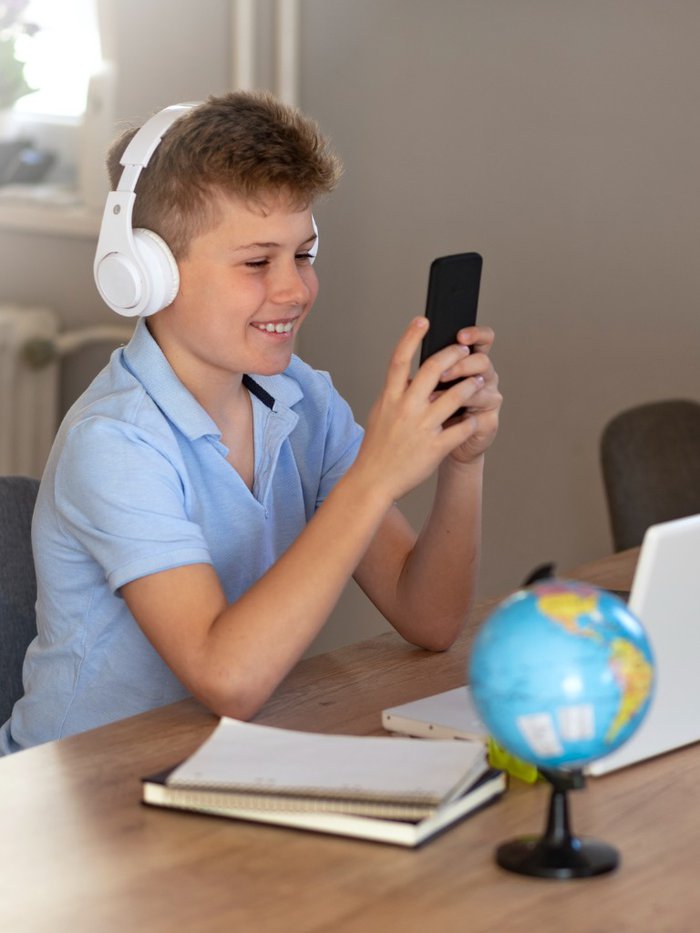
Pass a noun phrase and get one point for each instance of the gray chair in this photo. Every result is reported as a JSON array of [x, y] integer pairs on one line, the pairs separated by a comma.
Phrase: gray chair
[[650, 458], [17, 584]]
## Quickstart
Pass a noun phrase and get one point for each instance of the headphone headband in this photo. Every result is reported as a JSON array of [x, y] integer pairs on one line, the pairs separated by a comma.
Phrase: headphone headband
[[145, 141]]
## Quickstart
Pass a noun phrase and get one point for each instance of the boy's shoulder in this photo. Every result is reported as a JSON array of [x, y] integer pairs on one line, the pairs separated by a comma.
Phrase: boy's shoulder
[[114, 394], [118, 407]]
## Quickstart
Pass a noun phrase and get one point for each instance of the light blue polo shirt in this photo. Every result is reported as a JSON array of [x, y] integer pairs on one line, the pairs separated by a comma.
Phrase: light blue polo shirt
[[137, 482]]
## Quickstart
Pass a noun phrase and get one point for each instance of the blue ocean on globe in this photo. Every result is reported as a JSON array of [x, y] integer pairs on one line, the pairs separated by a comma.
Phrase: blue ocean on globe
[[561, 673]]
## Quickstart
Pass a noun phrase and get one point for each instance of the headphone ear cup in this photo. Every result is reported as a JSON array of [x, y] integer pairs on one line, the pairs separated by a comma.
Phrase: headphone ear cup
[[161, 270]]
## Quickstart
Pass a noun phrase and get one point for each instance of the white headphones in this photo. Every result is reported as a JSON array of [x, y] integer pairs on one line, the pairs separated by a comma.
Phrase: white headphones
[[135, 271]]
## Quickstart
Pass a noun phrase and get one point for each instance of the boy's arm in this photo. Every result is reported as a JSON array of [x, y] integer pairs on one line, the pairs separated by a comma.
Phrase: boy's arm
[[233, 656], [425, 585]]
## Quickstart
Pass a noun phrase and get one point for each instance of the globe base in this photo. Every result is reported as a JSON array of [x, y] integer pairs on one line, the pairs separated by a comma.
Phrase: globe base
[[558, 853], [578, 858]]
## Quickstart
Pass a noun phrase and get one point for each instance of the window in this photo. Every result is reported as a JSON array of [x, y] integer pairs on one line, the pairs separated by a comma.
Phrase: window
[[57, 189], [59, 58]]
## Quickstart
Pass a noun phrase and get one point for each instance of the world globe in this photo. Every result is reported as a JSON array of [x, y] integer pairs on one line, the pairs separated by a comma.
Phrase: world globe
[[561, 673]]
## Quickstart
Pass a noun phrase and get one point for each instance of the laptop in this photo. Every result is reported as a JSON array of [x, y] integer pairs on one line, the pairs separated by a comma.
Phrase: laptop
[[665, 596]]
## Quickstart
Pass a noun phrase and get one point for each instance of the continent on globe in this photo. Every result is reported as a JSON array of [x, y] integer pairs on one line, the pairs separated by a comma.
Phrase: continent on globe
[[635, 676]]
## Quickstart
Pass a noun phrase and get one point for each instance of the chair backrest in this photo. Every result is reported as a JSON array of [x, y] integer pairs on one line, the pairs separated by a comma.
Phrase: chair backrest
[[17, 584], [650, 457]]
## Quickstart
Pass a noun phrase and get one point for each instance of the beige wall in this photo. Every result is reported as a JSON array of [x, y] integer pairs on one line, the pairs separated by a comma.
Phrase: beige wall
[[559, 138]]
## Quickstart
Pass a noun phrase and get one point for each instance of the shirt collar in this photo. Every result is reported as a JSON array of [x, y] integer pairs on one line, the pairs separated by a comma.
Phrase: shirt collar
[[282, 388], [145, 360]]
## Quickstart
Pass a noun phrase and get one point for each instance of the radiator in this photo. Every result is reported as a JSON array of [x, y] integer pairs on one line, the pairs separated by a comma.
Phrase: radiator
[[28, 395], [31, 349]]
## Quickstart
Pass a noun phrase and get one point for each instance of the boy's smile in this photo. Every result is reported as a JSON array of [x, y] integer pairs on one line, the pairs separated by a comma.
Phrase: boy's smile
[[272, 328], [246, 285]]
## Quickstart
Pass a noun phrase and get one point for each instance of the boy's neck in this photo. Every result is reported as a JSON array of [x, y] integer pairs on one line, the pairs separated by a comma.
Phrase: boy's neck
[[218, 392]]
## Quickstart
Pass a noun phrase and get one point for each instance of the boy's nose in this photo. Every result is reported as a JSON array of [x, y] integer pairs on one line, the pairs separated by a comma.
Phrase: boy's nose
[[290, 286]]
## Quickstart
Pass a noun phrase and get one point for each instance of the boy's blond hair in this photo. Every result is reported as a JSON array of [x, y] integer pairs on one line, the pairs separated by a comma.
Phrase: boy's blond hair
[[245, 145]]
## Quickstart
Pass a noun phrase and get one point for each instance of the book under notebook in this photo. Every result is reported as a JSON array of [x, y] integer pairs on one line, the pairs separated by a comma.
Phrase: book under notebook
[[372, 822]]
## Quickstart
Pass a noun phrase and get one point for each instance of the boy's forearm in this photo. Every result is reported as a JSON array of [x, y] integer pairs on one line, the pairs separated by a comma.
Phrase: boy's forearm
[[436, 588], [268, 628]]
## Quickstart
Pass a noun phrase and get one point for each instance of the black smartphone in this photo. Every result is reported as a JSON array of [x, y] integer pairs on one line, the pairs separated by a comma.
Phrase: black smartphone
[[453, 297]]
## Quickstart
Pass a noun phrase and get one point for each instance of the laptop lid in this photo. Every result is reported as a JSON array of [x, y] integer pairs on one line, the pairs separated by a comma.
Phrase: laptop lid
[[665, 597]]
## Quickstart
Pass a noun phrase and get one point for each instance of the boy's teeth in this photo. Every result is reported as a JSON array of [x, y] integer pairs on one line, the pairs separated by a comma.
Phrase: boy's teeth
[[276, 328]]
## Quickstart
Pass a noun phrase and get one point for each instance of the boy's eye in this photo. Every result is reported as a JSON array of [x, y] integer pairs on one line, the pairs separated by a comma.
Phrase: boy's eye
[[303, 258]]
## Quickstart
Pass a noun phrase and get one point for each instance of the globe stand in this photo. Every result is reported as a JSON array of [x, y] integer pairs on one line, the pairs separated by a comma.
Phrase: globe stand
[[558, 854]]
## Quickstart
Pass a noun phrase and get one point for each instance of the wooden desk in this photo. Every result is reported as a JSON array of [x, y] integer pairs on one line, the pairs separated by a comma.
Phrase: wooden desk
[[79, 852]]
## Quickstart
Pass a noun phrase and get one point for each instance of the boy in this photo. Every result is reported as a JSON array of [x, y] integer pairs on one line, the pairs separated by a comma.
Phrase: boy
[[209, 496]]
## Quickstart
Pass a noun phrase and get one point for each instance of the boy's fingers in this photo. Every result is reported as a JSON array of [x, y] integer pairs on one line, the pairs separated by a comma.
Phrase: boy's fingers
[[401, 361], [470, 364], [479, 338], [437, 367], [459, 396]]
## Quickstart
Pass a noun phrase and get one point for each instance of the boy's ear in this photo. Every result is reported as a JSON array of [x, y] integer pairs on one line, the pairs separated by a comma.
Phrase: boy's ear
[[135, 271]]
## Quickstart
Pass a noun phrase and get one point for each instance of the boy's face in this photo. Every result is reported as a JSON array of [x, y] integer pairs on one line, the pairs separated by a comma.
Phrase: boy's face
[[246, 286]]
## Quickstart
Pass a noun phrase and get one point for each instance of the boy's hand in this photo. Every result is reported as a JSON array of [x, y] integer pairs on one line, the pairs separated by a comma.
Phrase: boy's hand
[[484, 407], [411, 427]]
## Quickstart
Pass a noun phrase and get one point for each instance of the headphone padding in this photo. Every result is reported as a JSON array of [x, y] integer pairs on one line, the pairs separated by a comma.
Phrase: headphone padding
[[161, 269]]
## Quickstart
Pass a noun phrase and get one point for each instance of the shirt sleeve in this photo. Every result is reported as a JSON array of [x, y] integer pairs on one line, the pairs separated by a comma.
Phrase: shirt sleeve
[[120, 497]]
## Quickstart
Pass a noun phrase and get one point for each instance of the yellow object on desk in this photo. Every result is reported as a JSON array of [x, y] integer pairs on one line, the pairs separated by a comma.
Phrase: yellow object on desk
[[502, 760]]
